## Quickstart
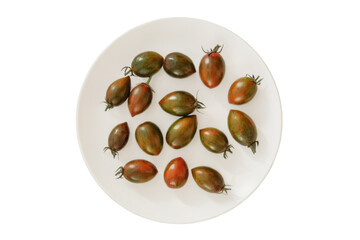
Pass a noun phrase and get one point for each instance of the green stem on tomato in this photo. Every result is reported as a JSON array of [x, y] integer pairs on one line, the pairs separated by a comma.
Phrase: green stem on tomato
[[253, 146], [119, 172], [148, 81], [225, 189], [228, 149]]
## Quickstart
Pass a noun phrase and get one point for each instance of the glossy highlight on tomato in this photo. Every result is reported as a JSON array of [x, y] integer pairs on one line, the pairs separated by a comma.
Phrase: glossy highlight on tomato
[[181, 132], [215, 141], [178, 65], [180, 103], [212, 67], [137, 171], [209, 179], [145, 64], [118, 138], [117, 92], [149, 138], [243, 89], [176, 173], [243, 129], [139, 99]]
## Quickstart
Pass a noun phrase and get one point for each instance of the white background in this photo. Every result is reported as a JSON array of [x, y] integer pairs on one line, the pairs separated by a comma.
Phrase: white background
[[312, 49]]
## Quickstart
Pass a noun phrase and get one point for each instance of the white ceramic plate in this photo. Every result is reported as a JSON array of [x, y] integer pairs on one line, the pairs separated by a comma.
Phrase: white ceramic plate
[[242, 170]]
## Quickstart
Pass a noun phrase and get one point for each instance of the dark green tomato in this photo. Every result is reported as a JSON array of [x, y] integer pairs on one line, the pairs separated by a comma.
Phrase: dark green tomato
[[212, 67], [243, 89], [149, 138], [118, 138], [139, 99], [176, 173], [215, 141], [147, 64], [209, 179], [117, 92], [178, 65], [137, 171], [181, 132], [180, 103], [243, 129]]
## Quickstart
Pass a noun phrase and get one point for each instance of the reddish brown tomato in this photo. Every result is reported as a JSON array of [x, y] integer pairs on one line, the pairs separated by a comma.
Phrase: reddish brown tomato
[[137, 171], [180, 103], [209, 179], [118, 138], [215, 141], [139, 99], [243, 129], [176, 173], [117, 92], [212, 67], [178, 65], [145, 64], [181, 132], [149, 138], [243, 89]]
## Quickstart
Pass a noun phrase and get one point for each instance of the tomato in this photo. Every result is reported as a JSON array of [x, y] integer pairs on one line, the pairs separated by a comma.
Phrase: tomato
[[180, 103], [243, 129], [145, 64], [215, 141], [243, 89], [176, 173], [117, 92], [178, 65], [137, 171], [181, 132], [118, 138], [139, 99], [149, 138], [212, 67], [209, 179]]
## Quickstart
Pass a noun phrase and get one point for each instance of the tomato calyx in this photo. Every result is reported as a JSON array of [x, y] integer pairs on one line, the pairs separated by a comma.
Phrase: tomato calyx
[[217, 49], [253, 146], [257, 80], [108, 106], [198, 105], [225, 189], [113, 152], [228, 149], [127, 71], [119, 172]]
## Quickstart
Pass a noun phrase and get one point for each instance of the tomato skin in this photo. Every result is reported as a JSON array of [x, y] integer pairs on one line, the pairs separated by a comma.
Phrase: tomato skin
[[147, 64], [212, 69], [180, 103], [149, 138], [243, 129], [178, 65], [137, 171], [243, 90], [176, 173], [139, 99], [215, 141], [209, 179], [118, 138], [117, 92], [181, 132]]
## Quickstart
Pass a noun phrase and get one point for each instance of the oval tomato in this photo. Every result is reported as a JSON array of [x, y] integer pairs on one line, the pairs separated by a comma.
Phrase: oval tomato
[[176, 173], [212, 67], [137, 171], [118, 138]]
